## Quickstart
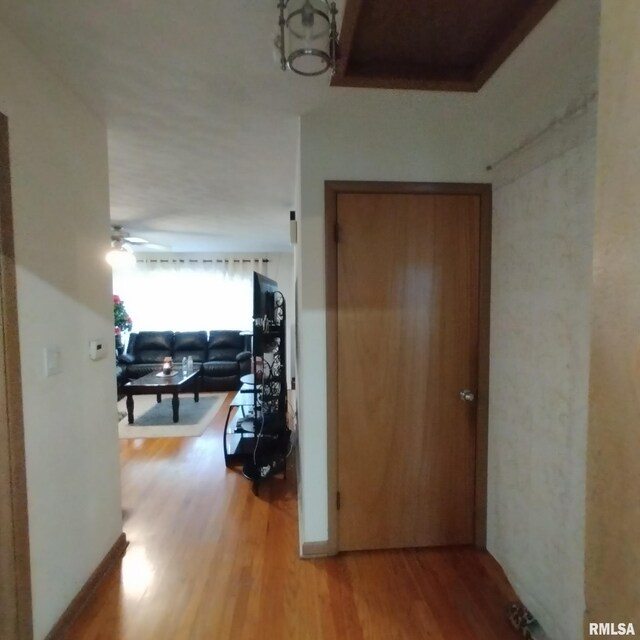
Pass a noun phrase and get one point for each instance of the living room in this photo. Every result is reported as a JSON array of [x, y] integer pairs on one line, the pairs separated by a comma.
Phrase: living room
[[207, 328], [540, 531], [208, 291]]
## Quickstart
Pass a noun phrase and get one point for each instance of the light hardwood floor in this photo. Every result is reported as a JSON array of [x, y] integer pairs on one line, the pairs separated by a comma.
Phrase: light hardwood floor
[[208, 560]]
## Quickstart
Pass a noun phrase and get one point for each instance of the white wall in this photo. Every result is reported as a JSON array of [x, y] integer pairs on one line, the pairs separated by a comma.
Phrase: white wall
[[405, 136], [540, 332], [613, 473], [58, 154]]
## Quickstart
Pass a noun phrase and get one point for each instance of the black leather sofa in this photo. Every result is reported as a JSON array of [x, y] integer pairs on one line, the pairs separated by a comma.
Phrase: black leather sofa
[[220, 355]]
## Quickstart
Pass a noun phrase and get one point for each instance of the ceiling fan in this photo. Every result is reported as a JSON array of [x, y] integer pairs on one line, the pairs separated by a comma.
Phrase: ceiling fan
[[122, 246], [120, 237]]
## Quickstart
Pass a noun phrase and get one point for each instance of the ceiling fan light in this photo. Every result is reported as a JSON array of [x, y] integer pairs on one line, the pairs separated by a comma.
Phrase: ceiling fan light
[[308, 36], [120, 258]]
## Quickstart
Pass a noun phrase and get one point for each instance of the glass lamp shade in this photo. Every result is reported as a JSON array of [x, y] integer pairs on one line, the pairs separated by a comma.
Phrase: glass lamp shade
[[308, 38], [120, 258]]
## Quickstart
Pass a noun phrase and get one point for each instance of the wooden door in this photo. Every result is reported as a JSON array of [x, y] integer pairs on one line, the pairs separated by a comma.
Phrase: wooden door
[[407, 331], [15, 581]]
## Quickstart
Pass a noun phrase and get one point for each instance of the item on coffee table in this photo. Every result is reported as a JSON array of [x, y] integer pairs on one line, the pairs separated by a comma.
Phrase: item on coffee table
[[167, 366]]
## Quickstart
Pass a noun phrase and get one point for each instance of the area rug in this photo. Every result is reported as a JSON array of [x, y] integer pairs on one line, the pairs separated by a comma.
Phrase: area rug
[[155, 420]]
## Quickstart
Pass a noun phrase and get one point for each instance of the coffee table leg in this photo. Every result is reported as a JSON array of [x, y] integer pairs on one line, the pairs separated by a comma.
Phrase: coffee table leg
[[175, 403], [196, 393], [130, 408], [158, 397]]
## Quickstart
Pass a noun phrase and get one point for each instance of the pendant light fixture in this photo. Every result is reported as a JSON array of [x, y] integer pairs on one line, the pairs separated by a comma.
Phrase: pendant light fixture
[[308, 36]]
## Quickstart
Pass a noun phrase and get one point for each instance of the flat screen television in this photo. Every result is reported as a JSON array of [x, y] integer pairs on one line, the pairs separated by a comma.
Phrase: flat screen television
[[263, 298], [263, 302], [265, 320]]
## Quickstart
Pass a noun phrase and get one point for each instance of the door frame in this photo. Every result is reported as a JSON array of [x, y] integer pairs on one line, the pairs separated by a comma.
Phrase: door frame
[[332, 189], [15, 591]]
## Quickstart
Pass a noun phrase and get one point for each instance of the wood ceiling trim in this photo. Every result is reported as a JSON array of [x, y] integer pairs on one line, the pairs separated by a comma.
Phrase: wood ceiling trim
[[347, 33], [502, 50], [364, 81], [394, 75]]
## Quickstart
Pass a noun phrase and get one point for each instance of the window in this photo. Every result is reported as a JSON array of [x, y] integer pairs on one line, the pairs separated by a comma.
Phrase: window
[[189, 295]]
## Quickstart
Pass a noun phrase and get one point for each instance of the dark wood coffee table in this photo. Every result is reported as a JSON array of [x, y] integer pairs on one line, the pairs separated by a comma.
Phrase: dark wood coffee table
[[152, 384]]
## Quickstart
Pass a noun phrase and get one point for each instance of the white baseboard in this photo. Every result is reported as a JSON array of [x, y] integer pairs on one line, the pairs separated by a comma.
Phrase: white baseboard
[[316, 549]]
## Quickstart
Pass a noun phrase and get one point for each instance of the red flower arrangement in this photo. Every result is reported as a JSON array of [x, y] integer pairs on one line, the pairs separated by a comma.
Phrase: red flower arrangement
[[121, 319]]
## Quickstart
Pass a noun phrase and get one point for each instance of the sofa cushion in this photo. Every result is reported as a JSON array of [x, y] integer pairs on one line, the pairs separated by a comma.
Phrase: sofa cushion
[[226, 340], [244, 362], [190, 343], [121, 375], [151, 346], [220, 369], [222, 355], [220, 383], [125, 359], [224, 346]]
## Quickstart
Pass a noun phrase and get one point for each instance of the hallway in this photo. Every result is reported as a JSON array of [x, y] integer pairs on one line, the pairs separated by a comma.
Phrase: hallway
[[209, 560]]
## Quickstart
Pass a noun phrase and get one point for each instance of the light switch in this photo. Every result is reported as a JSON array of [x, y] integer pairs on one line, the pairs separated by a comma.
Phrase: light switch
[[51, 361]]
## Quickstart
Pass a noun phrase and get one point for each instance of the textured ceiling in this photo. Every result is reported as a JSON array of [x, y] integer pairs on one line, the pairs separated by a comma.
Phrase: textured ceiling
[[202, 123]]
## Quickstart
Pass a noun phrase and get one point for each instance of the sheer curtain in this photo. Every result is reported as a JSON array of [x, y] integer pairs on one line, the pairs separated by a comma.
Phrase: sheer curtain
[[189, 294]]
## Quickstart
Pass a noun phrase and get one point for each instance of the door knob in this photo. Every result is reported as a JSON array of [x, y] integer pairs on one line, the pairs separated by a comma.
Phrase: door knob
[[467, 395]]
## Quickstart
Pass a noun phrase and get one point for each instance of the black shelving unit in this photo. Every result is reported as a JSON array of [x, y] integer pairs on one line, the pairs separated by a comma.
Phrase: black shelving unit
[[258, 436]]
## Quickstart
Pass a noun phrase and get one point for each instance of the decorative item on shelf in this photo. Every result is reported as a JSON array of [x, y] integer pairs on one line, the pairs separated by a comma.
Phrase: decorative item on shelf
[[167, 366], [308, 37], [121, 322]]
